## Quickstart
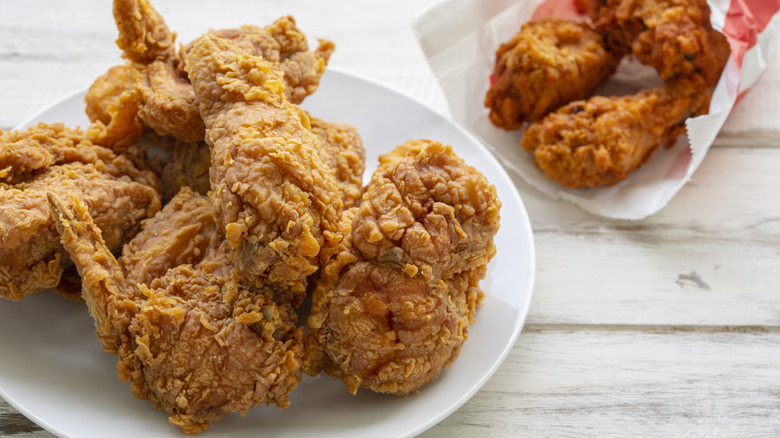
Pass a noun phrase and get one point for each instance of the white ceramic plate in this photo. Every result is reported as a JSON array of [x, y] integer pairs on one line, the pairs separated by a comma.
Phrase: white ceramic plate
[[53, 370]]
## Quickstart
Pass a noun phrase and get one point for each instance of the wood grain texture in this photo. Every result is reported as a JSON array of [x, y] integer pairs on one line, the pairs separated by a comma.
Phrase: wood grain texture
[[664, 327], [605, 383]]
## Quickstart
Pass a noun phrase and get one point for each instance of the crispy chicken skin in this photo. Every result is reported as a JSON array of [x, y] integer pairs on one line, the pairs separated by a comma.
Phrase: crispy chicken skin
[[342, 150], [190, 338], [143, 35], [112, 107], [53, 158], [275, 197], [167, 102], [600, 141], [549, 63], [286, 48], [393, 306], [188, 165], [674, 36]]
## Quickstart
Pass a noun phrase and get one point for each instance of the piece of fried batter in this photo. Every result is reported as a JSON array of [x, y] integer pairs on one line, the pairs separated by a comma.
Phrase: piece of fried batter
[[56, 159], [190, 338], [393, 306], [276, 198], [600, 141], [674, 36], [549, 63]]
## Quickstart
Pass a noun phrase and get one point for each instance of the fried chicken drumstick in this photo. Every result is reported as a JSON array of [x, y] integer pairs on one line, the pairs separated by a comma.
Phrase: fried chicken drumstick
[[53, 158], [600, 141], [674, 36], [191, 339], [393, 306], [549, 63], [274, 195]]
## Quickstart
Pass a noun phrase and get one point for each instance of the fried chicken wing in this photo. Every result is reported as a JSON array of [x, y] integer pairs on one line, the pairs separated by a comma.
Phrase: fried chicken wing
[[674, 36], [600, 141], [275, 197], [167, 101], [53, 158], [190, 338], [393, 306], [549, 63]]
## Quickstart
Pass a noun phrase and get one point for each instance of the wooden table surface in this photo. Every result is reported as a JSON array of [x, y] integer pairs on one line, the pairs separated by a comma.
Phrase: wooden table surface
[[667, 327]]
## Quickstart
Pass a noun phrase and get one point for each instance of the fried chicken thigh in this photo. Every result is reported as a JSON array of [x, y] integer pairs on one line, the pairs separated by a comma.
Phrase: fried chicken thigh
[[393, 306], [674, 36], [191, 339], [600, 141], [53, 158], [549, 63], [274, 196]]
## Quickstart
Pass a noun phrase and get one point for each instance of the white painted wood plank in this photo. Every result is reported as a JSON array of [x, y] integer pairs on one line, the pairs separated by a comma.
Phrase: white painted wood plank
[[617, 384], [711, 257]]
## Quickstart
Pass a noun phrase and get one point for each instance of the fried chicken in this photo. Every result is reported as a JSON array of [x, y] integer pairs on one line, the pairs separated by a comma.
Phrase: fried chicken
[[342, 150], [188, 166], [190, 338], [284, 45], [274, 196], [112, 107], [674, 36], [600, 141], [549, 63], [167, 101], [56, 159], [393, 306]]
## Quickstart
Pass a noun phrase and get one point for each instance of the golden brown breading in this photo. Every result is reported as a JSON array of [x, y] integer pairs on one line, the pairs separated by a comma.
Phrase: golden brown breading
[[53, 158], [188, 166], [285, 46], [393, 306], [275, 197], [167, 101], [549, 63], [343, 151], [674, 36], [143, 34], [189, 163], [600, 141], [112, 107], [191, 339]]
